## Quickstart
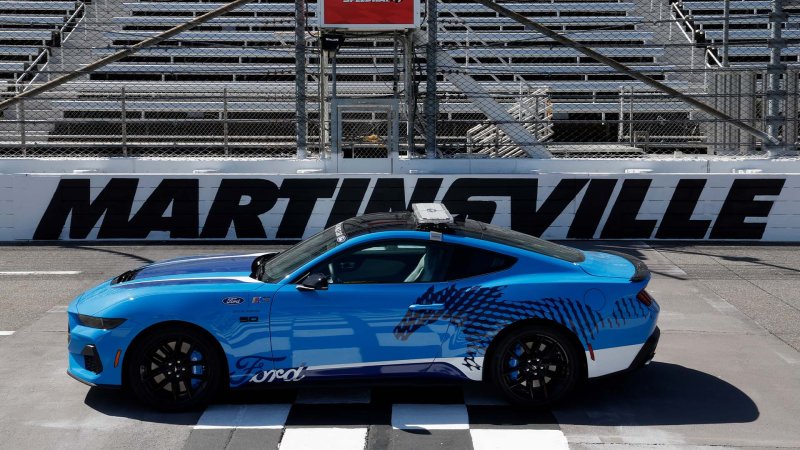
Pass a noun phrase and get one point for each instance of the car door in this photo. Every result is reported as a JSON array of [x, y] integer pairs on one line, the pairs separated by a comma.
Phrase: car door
[[364, 323]]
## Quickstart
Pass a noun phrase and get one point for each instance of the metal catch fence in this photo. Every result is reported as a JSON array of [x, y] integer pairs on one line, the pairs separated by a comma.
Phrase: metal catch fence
[[475, 81]]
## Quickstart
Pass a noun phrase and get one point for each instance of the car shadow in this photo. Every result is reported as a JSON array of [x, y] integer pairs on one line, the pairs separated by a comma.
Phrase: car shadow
[[119, 403], [660, 394]]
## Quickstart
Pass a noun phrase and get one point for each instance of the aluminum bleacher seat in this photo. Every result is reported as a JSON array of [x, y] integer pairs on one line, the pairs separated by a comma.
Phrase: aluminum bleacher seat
[[28, 22], [26, 37], [203, 7], [8, 53], [11, 70], [749, 35], [559, 23], [539, 9], [227, 37], [43, 7]]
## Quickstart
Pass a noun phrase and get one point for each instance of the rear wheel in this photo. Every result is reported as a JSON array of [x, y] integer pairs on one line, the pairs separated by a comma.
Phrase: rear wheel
[[174, 369], [535, 365]]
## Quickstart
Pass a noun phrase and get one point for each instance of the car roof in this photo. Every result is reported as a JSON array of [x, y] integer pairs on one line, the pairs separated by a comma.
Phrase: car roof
[[405, 221]]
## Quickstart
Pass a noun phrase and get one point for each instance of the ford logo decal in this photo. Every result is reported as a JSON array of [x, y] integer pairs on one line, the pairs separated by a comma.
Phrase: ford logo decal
[[233, 300]]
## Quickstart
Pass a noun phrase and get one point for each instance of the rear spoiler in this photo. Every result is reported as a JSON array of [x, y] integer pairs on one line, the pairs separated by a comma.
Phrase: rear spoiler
[[641, 272]]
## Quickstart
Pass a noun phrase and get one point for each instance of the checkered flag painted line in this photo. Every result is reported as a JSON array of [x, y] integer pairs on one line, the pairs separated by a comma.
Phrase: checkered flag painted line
[[448, 417]]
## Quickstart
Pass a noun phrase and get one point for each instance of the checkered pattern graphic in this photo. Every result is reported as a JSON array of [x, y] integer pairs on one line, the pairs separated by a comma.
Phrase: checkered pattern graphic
[[480, 312], [448, 417]]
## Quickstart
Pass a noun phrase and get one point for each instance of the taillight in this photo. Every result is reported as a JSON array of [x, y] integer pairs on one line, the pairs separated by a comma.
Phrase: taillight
[[644, 298]]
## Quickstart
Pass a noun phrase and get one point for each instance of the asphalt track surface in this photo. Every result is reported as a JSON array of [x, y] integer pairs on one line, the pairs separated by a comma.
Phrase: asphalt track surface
[[727, 371]]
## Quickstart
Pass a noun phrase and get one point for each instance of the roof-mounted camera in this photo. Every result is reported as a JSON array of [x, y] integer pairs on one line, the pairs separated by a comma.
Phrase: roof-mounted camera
[[432, 215]]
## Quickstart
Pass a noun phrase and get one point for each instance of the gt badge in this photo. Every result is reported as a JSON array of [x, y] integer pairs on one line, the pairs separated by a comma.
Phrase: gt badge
[[232, 300]]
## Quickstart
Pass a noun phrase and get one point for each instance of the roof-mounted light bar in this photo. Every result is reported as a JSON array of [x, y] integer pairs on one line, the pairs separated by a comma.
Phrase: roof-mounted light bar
[[431, 214]]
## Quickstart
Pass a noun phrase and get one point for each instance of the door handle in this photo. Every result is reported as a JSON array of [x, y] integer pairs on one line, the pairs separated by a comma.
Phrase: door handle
[[431, 307]]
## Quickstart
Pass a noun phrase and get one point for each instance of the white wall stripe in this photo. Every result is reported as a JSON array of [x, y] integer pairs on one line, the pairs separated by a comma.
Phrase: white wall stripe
[[327, 438], [40, 272], [6, 333], [265, 417], [503, 439], [430, 417]]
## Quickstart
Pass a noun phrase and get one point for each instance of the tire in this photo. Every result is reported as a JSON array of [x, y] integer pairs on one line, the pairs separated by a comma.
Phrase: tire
[[174, 369], [539, 374]]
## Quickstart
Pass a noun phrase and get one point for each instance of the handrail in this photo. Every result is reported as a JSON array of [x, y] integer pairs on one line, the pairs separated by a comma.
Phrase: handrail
[[711, 54], [31, 68], [683, 21], [80, 9]]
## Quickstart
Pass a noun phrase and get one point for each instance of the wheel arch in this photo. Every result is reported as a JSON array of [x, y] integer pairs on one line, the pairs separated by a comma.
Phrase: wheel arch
[[487, 361], [171, 324]]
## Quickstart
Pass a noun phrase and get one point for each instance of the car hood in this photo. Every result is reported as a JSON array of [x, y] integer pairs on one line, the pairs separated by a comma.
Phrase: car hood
[[193, 267], [609, 265], [210, 272]]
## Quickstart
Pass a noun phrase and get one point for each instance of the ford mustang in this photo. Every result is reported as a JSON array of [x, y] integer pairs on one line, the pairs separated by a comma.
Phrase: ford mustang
[[399, 295]]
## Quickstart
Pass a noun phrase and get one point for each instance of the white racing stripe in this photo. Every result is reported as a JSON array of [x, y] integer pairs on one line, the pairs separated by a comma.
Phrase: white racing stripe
[[328, 438], [40, 272], [430, 417], [6, 333], [207, 258], [170, 280], [259, 417], [503, 439]]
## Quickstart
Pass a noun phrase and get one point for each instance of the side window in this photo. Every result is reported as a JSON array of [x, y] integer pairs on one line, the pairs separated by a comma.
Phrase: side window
[[465, 262], [401, 262]]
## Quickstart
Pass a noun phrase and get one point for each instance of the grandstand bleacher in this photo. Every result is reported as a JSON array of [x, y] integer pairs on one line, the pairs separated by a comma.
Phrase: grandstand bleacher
[[702, 22], [230, 82], [29, 30]]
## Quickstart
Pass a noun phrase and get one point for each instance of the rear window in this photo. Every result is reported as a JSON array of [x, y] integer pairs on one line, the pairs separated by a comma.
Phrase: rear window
[[524, 241], [466, 262]]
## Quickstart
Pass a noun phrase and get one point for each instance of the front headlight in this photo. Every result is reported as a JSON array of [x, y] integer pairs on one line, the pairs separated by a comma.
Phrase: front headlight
[[99, 322]]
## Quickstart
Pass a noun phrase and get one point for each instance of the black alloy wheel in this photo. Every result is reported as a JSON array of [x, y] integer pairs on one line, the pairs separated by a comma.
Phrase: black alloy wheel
[[175, 369], [535, 366]]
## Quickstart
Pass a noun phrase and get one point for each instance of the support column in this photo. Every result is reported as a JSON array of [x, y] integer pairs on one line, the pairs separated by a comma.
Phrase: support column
[[410, 92], [300, 78], [431, 104], [775, 96]]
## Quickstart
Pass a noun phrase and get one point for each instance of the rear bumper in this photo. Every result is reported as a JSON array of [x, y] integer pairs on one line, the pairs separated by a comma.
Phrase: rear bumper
[[647, 352]]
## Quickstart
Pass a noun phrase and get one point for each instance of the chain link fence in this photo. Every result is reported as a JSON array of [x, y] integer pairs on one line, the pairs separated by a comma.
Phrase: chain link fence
[[228, 87]]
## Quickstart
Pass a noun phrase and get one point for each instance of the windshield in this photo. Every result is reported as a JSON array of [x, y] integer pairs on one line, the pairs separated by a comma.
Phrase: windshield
[[287, 262]]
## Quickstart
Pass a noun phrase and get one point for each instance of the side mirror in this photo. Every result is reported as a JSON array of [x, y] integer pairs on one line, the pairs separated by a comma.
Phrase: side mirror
[[314, 282]]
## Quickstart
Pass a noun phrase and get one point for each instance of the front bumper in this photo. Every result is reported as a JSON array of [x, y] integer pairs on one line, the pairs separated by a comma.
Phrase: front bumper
[[92, 353]]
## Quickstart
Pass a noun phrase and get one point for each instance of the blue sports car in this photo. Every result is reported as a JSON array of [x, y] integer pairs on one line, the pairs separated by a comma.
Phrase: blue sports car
[[381, 296]]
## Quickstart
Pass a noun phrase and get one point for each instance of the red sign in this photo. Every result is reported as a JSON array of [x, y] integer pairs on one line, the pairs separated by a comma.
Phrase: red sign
[[370, 14]]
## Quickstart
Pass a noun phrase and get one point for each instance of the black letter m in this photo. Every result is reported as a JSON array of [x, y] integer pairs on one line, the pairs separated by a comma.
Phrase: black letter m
[[74, 196]]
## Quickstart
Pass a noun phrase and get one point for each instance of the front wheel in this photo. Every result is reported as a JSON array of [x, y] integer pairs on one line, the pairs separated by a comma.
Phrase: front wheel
[[174, 369], [535, 366]]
